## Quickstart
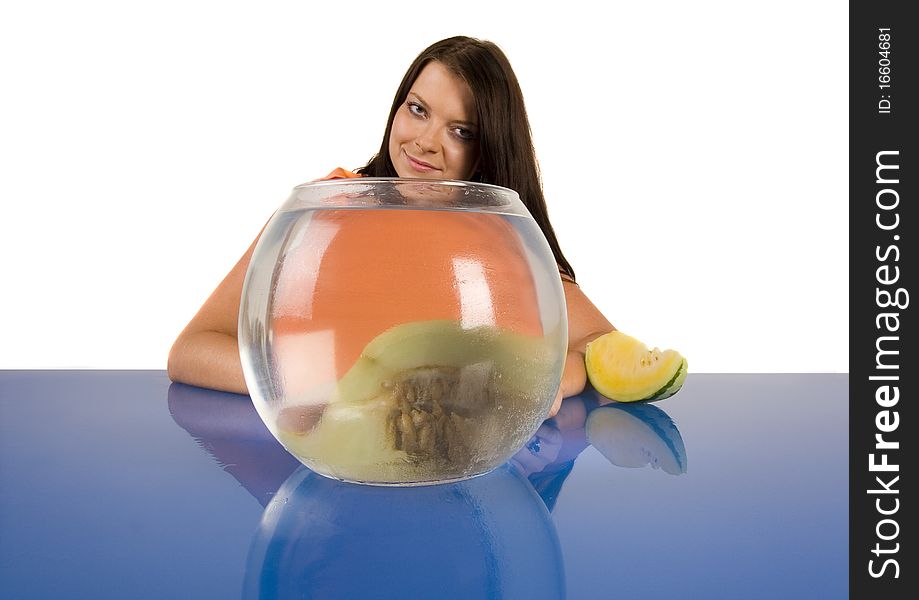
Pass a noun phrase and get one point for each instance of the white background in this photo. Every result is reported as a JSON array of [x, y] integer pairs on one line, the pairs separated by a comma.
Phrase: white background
[[694, 157]]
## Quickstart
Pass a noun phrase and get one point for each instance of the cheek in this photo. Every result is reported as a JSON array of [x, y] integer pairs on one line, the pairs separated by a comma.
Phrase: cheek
[[464, 157], [397, 133], [403, 127]]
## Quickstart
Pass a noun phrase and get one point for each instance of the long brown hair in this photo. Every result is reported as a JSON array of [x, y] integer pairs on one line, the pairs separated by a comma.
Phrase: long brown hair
[[507, 155]]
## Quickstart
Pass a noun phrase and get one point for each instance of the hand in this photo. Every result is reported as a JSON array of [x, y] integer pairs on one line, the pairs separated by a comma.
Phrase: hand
[[574, 378]]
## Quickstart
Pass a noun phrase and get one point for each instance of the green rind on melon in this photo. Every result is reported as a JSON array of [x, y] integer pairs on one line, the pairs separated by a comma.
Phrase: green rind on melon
[[675, 384]]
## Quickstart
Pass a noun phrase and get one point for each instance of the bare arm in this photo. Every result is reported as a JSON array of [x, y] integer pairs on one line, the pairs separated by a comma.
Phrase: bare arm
[[585, 324], [206, 353]]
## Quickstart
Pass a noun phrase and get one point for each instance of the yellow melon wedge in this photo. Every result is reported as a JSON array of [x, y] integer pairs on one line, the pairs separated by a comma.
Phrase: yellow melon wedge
[[624, 369]]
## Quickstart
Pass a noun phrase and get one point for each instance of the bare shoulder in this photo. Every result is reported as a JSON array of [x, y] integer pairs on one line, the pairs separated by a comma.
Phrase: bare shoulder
[[220, 312]]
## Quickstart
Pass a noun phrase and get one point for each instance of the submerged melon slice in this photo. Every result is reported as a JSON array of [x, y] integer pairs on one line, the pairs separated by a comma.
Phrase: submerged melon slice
[[637, 435], [520, 361], [428, 398], [349, 441], [622, 368]]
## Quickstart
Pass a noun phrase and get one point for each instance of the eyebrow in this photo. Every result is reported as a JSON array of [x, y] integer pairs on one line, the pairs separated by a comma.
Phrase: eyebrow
[[469, 124]]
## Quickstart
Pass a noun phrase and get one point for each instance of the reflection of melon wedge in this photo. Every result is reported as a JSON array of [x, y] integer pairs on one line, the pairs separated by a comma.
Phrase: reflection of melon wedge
[[623, 369], [637, 435]]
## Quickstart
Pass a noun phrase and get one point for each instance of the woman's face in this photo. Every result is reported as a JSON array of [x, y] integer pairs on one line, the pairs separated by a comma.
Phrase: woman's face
[[435, 133]]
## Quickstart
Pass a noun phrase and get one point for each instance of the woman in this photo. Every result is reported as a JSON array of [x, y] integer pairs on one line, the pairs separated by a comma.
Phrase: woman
[[458, 114]]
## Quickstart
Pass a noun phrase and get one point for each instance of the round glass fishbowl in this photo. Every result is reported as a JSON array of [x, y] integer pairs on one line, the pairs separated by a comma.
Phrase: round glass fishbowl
[[401, 331], [488, 537]]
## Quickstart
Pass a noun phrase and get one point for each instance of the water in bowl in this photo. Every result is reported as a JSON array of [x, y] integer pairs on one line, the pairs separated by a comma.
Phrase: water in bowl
[[402, 345]]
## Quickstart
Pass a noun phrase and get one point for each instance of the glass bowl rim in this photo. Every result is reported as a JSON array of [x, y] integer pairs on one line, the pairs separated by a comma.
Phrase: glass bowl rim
[[417, 180]]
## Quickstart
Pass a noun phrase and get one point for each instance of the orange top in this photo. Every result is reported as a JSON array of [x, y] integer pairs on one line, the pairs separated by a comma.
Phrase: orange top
[[356, 273], [340, 173]]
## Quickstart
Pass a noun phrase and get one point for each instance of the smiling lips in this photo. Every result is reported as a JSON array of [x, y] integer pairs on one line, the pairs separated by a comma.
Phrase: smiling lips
[[419, 165]]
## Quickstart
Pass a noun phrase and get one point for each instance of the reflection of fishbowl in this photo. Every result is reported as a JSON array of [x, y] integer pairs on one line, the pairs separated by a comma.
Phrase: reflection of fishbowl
[[400, 331], [488, 537]]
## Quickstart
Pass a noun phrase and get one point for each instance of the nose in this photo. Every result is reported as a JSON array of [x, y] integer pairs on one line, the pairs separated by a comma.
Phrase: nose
[[426, 140]]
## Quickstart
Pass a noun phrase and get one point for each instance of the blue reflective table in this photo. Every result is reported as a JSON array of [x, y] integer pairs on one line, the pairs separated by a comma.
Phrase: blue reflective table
[[119, 484]]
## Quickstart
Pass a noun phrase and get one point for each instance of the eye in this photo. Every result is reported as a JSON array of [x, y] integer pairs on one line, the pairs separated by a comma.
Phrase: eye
[[464, 134], [415, 108]]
